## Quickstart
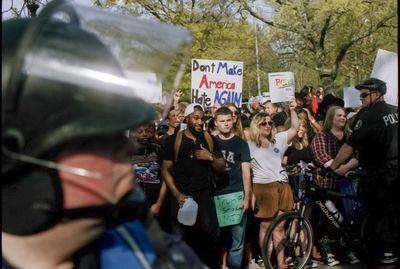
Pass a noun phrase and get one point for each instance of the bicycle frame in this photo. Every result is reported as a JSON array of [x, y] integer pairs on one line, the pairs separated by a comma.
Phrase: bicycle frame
[[298, 234]]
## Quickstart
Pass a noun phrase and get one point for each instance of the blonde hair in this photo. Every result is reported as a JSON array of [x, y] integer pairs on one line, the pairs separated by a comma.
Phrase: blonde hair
[[255, 134], [237, 126], [302, 140], [330, 114]]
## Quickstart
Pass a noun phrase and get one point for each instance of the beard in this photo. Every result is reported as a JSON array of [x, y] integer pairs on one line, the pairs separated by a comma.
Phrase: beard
[[192, 129]]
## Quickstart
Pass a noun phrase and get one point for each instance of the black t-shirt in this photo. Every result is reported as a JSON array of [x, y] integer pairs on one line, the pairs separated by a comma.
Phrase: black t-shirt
[[235, 152], [190, 175], [294, 156], [375, 135]]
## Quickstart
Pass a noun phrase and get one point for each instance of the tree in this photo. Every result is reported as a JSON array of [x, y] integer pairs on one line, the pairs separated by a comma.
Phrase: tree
[[319, 34], [220, 31], [29, 8]]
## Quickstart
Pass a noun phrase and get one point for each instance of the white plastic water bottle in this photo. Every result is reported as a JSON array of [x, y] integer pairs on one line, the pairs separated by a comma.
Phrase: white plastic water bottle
[[187, 214], [332, 208]]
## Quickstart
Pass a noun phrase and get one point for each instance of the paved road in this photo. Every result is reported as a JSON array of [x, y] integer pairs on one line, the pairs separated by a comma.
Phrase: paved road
[[357, 266]]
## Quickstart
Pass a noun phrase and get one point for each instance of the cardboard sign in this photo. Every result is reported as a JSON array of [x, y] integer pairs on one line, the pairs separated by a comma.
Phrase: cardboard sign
[[216, 81], [228, 206], [385, 68], [281, 86]]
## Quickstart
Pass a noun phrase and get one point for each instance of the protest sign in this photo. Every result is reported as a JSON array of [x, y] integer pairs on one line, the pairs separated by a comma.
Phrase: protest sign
[[351, 97], [216, 81], [385, 68], [281, 86], [228, 207]]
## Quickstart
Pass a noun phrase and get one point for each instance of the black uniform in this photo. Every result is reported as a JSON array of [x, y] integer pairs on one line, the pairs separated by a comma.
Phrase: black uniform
[[375, 136]]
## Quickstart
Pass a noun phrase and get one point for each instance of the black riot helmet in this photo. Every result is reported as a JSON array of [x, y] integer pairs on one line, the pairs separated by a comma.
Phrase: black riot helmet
[[73, 73], [372, 84]]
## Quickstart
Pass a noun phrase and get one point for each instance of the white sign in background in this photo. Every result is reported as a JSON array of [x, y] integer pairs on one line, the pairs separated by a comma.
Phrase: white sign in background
[[385, 68], [281, 86], [216, 81], [149, 86], [351, 97]]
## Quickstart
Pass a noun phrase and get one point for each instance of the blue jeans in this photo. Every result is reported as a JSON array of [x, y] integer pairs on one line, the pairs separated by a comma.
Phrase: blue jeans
[[235, 237]]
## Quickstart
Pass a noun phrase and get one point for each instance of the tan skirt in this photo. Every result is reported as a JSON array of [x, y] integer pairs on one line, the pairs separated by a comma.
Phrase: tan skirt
[[272, 197]]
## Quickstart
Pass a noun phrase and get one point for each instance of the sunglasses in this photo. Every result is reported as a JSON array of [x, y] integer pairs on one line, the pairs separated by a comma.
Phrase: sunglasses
[[365, 94], [264, 123]]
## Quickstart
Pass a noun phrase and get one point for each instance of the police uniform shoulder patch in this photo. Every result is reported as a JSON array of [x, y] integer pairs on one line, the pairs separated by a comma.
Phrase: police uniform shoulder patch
[[358, 125]]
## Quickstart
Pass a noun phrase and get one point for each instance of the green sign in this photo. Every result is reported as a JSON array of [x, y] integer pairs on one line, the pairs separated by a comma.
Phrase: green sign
[[229, 208]]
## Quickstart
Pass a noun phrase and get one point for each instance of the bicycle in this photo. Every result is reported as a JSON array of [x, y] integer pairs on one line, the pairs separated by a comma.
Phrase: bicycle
[[297, 241]]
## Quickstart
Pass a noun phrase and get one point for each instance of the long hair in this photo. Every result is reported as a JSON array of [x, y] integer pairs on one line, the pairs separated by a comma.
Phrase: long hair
[[255, 134], [237, 126], [302, 140], [330, 114]]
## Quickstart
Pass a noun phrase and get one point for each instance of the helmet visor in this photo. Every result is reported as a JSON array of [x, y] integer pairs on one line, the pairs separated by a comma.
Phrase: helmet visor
[[144, 61]]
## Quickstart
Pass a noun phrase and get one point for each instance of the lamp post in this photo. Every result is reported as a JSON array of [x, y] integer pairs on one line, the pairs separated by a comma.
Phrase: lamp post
[[357, 72]]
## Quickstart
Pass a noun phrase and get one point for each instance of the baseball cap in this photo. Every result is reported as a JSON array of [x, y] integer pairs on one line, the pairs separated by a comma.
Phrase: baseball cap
[[190, 108]]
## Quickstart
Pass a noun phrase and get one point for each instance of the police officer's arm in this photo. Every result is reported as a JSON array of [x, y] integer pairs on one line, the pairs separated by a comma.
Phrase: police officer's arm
[[345, 152], [166, 171]]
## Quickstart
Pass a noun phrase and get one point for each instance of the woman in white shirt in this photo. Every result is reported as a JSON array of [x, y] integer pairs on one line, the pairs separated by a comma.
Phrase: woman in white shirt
[[272, 194]]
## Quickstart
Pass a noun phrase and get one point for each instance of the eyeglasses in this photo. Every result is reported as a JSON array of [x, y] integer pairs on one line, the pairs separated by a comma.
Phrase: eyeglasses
[[264, 123], [365, 94]]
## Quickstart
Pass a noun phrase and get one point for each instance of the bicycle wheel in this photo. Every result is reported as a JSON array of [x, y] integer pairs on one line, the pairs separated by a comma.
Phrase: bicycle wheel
[[294, 248]]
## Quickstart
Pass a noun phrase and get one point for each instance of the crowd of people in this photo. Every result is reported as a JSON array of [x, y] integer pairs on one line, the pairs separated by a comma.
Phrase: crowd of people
[[254, 147], [92, 180]]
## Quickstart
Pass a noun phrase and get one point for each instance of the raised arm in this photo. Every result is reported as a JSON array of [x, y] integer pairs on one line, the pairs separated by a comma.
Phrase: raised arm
[[294, 120]]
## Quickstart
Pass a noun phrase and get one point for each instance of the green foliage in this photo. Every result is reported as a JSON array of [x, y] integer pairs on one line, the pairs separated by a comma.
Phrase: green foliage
[[329, 42]]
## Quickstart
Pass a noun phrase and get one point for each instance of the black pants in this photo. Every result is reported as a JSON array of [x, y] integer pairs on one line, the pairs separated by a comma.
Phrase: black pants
[[203, 236], [382, 197]]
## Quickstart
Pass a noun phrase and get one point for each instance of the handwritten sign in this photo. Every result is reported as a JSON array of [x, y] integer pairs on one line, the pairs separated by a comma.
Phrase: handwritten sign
[[216, 81], [228, 206], [281, 86]]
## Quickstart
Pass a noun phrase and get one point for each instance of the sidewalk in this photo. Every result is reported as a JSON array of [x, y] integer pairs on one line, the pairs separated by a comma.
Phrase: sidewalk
[[357, 266]]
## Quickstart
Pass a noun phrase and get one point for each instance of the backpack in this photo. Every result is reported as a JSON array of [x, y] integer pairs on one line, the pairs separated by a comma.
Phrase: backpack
[[177, 145]]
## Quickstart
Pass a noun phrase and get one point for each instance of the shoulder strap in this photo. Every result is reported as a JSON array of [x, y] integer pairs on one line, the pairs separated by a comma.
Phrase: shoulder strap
[[209, 141], [177, 144]]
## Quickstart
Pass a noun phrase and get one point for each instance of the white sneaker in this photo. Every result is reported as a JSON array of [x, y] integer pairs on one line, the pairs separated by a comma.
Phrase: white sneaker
[[388, 258], [253, 265], [352, 258], [330, 260]]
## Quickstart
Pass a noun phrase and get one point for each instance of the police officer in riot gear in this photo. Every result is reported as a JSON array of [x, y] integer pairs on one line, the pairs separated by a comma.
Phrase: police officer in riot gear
[[70, 79], [375, 137]]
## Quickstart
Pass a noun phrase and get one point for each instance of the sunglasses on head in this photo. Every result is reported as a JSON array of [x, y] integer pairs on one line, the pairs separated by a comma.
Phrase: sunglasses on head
[[365, 94], [264, 123]]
